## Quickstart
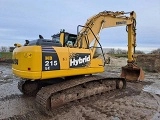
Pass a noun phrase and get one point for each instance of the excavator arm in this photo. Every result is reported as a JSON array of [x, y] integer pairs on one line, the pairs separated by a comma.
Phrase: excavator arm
[[89, 34]]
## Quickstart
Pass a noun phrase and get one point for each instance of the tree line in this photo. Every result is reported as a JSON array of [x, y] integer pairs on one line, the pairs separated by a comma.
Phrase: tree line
[[120, 51], [6, 49], [111, 51]]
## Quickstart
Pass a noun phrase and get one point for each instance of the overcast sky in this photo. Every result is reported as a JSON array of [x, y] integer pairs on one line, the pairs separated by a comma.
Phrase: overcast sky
[[26, 19]]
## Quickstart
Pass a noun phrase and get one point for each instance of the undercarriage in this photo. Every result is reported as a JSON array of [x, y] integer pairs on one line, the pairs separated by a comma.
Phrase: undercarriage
[[50, 97]]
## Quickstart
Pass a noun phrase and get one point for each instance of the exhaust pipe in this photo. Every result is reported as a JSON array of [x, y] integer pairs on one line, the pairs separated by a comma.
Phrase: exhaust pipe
[[132, 72]]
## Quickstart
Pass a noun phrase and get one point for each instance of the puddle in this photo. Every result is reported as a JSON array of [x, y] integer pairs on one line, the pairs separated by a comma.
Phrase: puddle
[[153, 88], [17, 106], [9, 89], [156, 116]]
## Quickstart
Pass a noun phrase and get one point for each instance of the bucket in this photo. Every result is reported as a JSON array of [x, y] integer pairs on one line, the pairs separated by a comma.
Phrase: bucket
[[132, 72]]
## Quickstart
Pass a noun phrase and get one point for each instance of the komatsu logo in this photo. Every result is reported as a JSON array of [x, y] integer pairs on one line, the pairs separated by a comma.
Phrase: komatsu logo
[[80, 60], [121, 22]]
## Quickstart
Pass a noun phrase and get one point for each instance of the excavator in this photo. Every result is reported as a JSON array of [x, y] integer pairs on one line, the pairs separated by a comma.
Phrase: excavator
[[64, 68]]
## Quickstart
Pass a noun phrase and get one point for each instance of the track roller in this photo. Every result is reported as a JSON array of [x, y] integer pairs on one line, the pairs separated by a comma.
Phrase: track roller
[[121, 84]]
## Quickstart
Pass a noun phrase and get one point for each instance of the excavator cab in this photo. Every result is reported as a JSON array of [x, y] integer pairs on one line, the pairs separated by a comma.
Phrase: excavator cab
[[65, 38]]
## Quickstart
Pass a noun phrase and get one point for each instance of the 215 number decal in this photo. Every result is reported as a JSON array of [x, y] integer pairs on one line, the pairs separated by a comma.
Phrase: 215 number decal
[[51, 63]]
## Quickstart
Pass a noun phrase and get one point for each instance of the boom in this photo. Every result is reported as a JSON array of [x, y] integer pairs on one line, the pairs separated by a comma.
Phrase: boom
[[90, 32]]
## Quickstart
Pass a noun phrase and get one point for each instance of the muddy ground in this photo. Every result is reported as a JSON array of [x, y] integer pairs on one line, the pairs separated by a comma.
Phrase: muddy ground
[[139, 101]]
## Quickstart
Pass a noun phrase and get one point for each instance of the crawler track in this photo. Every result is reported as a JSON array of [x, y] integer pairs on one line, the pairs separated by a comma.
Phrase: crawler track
[[54, 96]]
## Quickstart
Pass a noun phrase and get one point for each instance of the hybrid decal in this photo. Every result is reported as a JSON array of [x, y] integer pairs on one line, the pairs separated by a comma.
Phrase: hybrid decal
[[50, 60], [121, 22], [79, 60]]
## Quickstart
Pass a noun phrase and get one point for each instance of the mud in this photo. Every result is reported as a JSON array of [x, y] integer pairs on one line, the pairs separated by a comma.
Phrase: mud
[[139, 101], [149, 62]]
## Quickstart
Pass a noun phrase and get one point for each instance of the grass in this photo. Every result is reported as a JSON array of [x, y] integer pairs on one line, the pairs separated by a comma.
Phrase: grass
[[5, 55]]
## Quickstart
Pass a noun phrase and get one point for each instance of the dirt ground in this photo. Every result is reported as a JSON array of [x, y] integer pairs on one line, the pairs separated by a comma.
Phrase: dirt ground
[[139, 101]]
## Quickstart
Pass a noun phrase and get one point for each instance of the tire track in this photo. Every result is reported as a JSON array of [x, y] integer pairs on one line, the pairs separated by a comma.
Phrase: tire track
[[157, 115], [32, 115], [11, 97]]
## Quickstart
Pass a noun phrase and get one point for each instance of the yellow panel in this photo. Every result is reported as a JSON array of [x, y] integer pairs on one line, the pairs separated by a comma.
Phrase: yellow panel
[[27, 74], [63, 56], [28, 57], [71, 72], [27, 62], [96, 63], [78, 50]]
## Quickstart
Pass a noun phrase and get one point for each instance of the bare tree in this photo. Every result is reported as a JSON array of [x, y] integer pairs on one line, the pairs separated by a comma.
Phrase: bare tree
[[157, 51], [120, 51], [124, 51], [139, 52], [111, 51], [3, 49]]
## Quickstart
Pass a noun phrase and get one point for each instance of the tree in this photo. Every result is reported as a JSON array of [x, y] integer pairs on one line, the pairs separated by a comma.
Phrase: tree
[[157, 51], [124, 51], [111, 51], [139, 52], [3, 49], [120, 51]]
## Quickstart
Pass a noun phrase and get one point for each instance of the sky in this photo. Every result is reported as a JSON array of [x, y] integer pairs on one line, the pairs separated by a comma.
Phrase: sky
[[26, 19]]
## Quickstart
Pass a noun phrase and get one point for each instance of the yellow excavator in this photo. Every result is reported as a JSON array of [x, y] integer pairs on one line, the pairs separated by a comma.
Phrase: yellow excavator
[[65, 69]]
